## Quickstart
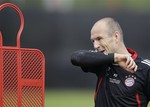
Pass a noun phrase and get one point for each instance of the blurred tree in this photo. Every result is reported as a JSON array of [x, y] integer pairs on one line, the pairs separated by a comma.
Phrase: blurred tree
[[58, 5], [136, 5], [69, 5]]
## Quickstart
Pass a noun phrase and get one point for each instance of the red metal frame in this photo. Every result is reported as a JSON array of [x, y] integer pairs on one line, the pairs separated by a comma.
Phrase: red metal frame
[[22, 72]]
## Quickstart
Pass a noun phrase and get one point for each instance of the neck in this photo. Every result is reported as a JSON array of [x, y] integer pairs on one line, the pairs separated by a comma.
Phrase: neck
[[122, 49]]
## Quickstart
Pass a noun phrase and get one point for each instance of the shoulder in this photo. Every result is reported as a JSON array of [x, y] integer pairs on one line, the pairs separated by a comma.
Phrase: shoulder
[[143, 71], [143, 63], [146, 62]]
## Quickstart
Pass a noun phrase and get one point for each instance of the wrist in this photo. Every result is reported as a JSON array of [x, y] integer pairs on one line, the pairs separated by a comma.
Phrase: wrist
[[116, 57]]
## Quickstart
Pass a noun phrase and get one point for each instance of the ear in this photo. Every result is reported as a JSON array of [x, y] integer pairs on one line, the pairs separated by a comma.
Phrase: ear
[[117, 37]]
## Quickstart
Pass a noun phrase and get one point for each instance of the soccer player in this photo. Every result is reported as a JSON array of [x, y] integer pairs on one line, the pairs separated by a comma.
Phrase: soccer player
[[123, 76]]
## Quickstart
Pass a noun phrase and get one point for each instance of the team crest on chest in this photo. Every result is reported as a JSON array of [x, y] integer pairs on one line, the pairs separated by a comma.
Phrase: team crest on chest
[[130, 80]]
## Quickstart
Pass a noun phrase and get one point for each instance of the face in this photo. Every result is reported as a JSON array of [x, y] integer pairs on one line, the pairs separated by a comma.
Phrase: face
[[102, 40]]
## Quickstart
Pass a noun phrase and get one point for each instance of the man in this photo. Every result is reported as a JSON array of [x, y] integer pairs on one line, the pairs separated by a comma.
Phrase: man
[[123, 77]]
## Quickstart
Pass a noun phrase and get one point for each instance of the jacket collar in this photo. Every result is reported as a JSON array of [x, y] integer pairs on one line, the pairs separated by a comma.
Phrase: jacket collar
[[134, 54]]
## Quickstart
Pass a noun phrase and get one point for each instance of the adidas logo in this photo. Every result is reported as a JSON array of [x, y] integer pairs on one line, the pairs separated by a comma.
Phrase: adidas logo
[[146, 61]]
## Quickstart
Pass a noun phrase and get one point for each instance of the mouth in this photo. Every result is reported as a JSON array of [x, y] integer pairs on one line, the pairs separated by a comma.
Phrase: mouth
[[102, 51]]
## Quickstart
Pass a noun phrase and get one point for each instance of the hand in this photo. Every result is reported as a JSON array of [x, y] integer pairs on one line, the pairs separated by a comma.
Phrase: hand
[[125, 62]]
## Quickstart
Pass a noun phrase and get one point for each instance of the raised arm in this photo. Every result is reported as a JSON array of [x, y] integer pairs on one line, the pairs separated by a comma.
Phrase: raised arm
[[90, 58], [84, 58]]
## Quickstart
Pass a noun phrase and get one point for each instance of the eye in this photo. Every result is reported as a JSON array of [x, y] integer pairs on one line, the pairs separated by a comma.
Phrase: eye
[[98, 38]]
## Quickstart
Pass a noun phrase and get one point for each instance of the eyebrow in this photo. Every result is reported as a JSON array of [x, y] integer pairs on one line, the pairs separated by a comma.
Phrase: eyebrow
[[97, 37]]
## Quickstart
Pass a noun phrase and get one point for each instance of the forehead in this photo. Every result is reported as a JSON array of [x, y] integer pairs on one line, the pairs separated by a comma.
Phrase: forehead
[[99, 30]]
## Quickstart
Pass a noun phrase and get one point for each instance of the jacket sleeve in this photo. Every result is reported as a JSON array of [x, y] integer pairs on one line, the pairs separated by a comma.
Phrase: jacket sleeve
[[148, 85], [90, 58]]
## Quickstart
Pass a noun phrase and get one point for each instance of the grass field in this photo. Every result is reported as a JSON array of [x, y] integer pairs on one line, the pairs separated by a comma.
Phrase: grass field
[[69, 98]]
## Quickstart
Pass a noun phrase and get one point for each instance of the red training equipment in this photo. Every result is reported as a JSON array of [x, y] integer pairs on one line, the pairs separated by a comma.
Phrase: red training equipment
[[21, 72]]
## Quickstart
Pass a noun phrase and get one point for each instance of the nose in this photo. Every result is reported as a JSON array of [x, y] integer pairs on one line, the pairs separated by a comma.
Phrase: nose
[[96, 45]]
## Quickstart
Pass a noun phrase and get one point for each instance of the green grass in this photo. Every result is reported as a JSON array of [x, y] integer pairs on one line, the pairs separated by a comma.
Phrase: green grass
[[69, 98]]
